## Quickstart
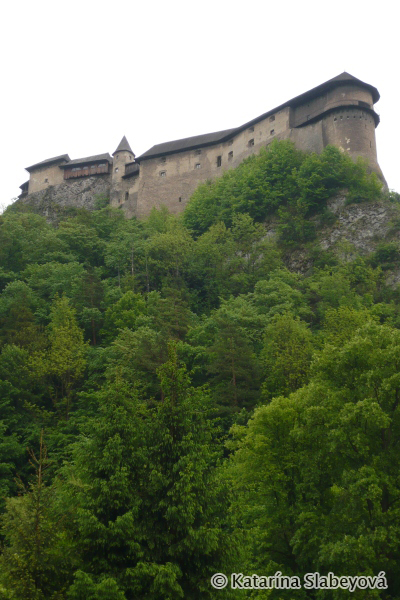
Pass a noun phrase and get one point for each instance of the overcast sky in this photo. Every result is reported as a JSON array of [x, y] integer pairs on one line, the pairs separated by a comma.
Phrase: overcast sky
[[77, 76]]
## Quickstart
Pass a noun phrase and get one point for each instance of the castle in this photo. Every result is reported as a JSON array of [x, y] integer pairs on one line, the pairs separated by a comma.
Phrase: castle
[[339, 112]]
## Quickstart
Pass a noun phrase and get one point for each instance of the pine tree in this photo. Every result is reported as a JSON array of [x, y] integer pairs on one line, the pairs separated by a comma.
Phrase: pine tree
[[151, 506], [37, 560]]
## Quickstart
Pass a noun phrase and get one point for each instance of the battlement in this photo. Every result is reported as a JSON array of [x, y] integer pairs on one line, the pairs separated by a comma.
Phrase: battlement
[[338, 112]]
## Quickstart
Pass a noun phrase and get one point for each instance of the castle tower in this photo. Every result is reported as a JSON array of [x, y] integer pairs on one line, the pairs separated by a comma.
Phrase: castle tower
[[122, 156], [339, 112], [351, 123]]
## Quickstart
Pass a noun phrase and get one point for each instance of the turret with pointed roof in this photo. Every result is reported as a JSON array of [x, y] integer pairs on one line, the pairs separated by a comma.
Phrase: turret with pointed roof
[[122, 157], [339, 112], [124, 146]]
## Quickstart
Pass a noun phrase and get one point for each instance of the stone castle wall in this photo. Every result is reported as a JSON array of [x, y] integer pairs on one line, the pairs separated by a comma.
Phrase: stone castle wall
[[340, 114], [42, 179], [171, 180]]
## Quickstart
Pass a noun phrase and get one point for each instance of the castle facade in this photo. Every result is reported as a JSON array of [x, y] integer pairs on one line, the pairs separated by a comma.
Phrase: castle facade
[[338, 112]]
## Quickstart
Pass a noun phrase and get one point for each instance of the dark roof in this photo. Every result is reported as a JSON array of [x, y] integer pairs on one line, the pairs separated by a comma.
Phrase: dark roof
[[196, 141], [24, 185], [48, 162], [341, 79], [123, 146], [88, 160], [221, 136]]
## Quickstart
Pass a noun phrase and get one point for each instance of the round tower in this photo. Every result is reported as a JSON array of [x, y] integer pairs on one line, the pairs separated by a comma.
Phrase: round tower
[[122, 156], [339, 112], [349, 120]]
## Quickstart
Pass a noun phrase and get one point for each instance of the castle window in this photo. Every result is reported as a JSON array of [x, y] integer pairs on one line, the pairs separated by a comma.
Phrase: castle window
[[126, 196], [197, 152], [272, 118], [251, 143], [116, 157], [230, 155], [163, 173], [335, 118], [116, 169], [197, 166], [251, 129], [272, 132], [46, 180], [219, 161], [180, 198]]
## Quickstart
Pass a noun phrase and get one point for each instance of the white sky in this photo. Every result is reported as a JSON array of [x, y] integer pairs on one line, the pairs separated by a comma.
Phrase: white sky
[[77, 76]]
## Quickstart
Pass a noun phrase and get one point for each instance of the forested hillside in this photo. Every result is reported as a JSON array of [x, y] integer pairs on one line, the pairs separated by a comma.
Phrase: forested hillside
[[177, 401]]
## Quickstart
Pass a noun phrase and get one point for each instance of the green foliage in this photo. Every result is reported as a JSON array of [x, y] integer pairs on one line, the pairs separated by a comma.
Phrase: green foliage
[[148, 495], [124, 313], [387, 256], [63, 361], [287, 355], [37, 559], [284, 182], [317, 472], [137, 346], [17, 323]]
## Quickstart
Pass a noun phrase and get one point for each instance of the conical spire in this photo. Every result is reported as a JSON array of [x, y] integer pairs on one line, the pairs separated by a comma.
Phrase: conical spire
[[124, 147]]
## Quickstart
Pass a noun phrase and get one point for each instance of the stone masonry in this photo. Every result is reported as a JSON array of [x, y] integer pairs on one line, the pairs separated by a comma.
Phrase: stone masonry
[[338, 112]]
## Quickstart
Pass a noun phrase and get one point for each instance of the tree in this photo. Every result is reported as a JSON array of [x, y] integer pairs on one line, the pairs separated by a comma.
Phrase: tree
[[124, 313], [63, 363], [287, 353], [318, 472], [150, 504], [37, 560], [233, 365], [17, 321], [135, 356]]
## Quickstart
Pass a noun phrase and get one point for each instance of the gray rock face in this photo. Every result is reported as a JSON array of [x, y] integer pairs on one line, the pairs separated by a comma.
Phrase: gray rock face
[[363, 225], [82, 193], [357, 229]]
